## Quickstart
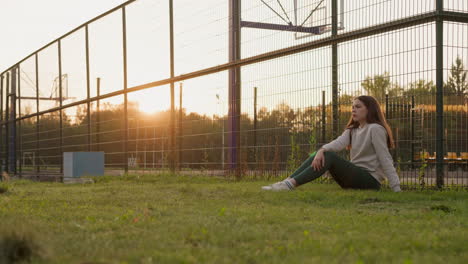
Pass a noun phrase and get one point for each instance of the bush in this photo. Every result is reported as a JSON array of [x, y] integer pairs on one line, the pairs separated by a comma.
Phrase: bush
[[18, 247], [3, 188]]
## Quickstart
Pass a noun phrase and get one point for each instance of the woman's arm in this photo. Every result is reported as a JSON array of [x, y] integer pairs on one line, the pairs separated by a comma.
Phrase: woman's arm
[[336, 145], [379, 141], [339, 143]]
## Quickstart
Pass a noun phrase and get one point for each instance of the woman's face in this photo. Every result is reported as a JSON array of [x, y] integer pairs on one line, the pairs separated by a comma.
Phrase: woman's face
[[359, 111]]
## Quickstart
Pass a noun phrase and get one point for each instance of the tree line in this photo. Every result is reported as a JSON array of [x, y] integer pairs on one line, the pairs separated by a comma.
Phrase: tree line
[[282, 139]]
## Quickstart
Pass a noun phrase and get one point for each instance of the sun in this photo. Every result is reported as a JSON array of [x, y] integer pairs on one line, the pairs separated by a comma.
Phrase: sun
[[152, 100]]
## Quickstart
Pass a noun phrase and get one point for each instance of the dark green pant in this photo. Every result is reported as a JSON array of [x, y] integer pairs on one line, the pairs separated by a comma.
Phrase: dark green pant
[[345, 173]]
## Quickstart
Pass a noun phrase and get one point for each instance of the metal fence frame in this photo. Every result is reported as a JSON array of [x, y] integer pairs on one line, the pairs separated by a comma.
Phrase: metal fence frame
[[439, 16]]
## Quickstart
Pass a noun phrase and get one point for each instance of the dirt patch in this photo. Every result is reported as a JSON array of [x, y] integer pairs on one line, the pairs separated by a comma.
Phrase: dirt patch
[[3, 189], [370, 200], [442, 208]]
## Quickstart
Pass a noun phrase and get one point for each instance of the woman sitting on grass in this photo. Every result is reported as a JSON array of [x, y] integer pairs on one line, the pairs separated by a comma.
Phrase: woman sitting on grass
[[369, 137]]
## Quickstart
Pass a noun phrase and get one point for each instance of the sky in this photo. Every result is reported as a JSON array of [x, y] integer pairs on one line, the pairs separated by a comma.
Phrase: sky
[[201, 41], [27, 25]]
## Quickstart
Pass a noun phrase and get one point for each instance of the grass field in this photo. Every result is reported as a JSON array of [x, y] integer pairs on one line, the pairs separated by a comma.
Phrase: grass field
[[183, 219]]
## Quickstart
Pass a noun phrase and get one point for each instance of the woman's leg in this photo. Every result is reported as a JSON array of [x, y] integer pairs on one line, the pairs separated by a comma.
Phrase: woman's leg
[[307, 163], [290, 183], [345, 173]]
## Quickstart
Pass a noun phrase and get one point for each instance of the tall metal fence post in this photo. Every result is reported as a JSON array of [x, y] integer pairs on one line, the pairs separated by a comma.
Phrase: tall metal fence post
[[412, 120], [255, 126], [180, 132], [19, 145], [124, 36], [61, 103], [172, 116], [324, 116], [12, 123], [335, 91], [439, 96], [88, 88], [234, 87], [98, 114], [1, 126], [38, 152], [7, 119]]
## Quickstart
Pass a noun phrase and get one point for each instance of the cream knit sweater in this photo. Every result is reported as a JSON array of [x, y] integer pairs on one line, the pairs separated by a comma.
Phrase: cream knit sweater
[[369, 150]]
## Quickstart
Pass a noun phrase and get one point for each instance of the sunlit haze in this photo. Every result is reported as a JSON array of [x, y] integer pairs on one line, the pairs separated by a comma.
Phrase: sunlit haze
[[201, 41]]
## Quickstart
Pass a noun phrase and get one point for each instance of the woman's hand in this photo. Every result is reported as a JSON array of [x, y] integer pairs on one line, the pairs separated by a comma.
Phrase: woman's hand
[[319, 160]]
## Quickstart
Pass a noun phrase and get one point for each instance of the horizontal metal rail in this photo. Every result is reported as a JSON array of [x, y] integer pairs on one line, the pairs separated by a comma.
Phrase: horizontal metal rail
[[356, 34], [73, 31]]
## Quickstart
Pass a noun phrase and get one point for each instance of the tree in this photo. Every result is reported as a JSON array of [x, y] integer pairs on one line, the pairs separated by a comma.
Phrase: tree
[[420, 87], [284, 115], [377, 86], [457, 82], [422, 91], [346, 99], [380, 85]]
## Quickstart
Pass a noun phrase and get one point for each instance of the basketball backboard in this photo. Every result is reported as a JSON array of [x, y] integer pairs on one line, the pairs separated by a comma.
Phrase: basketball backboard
[[304, 18], [316, 14]]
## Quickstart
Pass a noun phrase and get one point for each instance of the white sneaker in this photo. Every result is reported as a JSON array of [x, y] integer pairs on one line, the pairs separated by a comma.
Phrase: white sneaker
[[279, 186]]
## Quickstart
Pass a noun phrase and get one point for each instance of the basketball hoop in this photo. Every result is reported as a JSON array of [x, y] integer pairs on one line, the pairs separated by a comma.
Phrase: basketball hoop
[[310, 18]]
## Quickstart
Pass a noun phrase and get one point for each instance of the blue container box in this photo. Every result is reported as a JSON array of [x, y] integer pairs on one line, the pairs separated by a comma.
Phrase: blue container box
[[77, 164]]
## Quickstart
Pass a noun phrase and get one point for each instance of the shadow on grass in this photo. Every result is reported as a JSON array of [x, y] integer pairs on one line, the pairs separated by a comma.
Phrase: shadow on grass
[[19, 245]]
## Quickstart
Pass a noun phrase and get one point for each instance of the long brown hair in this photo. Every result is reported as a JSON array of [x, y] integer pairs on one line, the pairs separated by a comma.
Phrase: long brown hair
[[374, 115]]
